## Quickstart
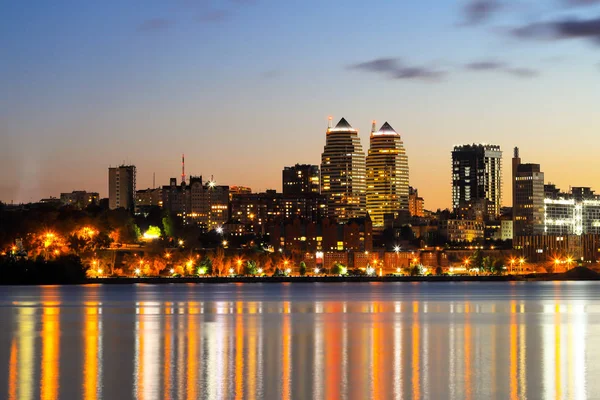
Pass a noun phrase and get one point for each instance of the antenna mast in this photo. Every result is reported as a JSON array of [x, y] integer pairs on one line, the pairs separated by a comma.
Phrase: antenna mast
[[183, 168]]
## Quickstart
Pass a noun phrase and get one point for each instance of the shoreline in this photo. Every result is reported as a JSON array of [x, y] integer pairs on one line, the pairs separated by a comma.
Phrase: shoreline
[[576, 274]]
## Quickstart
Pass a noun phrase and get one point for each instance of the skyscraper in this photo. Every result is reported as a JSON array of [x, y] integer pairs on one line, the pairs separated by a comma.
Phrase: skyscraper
[[301, 179], [477, 178], [528, 197], [121, 187], [343, 172], [387, 175]]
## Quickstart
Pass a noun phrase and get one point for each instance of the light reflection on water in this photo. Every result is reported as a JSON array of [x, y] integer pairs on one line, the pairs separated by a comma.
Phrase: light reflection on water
[[352, 341]]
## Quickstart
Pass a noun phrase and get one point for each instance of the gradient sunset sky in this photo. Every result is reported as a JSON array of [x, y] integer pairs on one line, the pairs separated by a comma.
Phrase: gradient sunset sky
[[244, 88]]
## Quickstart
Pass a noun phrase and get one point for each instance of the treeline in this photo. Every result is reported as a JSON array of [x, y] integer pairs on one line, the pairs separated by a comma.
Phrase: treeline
[[66, 269]]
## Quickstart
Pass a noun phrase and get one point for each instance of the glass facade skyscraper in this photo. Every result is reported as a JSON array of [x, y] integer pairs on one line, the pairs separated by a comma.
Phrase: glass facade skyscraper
[[343, 172], [477, 178], [387, 175]]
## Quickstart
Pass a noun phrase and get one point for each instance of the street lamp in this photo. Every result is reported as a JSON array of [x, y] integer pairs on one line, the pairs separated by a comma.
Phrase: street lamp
[[521, 262], [569, 261]]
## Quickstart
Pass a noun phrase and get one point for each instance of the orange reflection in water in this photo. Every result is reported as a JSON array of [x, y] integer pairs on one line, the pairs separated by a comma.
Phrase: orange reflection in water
[[513, 351], [90, 364], [379, 369], [12, 371], [468, 354], [415, 353], [167, 359], [333, 360], [239, 356], [287, 363], [50, 350], [557, 352], [251, 371], [192, 360]]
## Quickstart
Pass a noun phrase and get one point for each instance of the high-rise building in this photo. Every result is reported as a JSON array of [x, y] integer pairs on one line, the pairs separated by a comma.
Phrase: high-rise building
[[477, 176], [301, 179], [416, 204], [387, 175], [121, 187], [343, 172], [528, 197]]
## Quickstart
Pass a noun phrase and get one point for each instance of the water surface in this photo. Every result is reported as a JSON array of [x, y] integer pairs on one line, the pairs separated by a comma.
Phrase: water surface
[[473, 340]]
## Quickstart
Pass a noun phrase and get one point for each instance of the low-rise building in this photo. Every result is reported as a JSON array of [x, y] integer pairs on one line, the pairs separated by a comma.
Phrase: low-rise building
[[462, 230], [79, 198]]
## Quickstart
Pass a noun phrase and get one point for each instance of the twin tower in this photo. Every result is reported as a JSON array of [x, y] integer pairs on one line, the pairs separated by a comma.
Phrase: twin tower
[[354, 187]]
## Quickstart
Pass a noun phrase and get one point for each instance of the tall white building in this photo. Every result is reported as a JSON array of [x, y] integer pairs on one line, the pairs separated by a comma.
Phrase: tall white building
[[343, 172], [387, 175]]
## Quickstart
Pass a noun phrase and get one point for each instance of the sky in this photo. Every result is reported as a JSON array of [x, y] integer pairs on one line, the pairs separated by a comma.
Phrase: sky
[[244, 88]]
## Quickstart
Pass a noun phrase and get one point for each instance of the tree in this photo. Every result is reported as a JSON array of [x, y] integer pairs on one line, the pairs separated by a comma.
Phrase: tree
[[207, 264], [168, 226], [416, 270], [77, 244], [338, 269], [218, 262], [251, 267], [302, 268], [153, 231], [439, 271]]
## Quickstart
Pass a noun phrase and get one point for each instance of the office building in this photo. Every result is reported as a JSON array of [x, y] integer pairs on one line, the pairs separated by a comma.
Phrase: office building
[[477, 176], [387, 175], [301, 179], [121, 187], [575, 213], [343, 172], [528, 197]]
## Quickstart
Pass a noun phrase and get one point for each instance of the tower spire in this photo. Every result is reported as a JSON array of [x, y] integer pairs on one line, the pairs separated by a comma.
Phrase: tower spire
[[183, 168], [373, 126], [329, 122]]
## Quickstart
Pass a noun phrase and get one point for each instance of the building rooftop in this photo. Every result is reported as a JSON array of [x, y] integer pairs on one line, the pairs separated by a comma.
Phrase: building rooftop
[[386, 129], [343, 126]]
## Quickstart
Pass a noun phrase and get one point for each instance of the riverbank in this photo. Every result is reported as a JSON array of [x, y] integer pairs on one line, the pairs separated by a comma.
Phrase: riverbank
[[576, 274]]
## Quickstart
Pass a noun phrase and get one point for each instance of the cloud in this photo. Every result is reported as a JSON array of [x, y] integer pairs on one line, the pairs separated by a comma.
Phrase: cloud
[[478, 11], [522, 72], [581, 2], [393, 68], [563, 29], [155, 25], [214, 16], [485, 65], [500, 66]]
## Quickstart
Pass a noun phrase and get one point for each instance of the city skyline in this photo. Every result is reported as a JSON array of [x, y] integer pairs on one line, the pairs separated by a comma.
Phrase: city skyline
[[166, 79]]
